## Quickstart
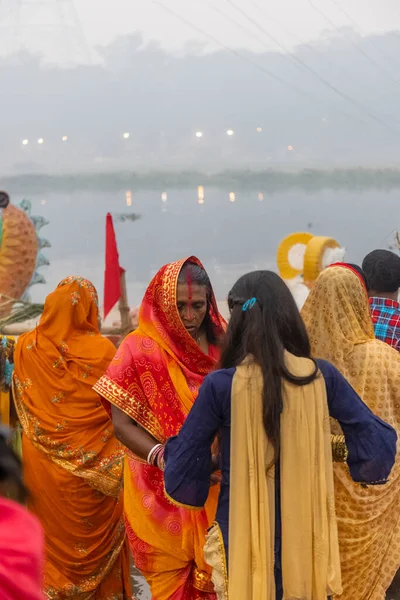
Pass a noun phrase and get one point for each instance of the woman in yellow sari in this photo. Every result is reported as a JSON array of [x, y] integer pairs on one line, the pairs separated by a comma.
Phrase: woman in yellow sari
[[339, 323], [151, 385], [72, 461]]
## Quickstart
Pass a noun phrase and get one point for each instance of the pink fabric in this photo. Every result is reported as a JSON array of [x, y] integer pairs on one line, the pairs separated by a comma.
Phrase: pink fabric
[[21, 553]]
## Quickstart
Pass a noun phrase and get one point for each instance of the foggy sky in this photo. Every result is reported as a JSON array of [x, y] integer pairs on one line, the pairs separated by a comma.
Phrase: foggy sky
[[103, 20], [162, 96], [331, 101], [92, 23]]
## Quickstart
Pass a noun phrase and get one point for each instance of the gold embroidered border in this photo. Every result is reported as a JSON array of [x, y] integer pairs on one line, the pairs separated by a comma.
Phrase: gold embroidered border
[[221, 546], [169, 283], [202, 581], [23, 419], [87, 588], [180, 504], [104, 484], [109, 486], [214, 556], [339, 449], [116, 395]]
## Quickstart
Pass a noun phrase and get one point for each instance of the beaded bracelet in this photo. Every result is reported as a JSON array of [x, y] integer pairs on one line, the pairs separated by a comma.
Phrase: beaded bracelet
[[339, 449]]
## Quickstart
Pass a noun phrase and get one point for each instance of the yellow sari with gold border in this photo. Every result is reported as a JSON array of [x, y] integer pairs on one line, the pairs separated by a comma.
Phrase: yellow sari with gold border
[[337, 316]]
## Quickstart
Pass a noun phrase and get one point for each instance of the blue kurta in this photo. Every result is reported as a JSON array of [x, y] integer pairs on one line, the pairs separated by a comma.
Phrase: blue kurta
[[371, 445]]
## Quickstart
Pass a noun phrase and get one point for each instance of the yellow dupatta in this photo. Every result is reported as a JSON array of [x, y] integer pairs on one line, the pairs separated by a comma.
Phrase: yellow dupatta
[[338, 320], [310, 551]]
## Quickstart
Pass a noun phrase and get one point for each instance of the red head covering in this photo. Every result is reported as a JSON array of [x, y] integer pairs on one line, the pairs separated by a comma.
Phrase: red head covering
[[21, 553], [354, 269], [159, 319], [158, 369]]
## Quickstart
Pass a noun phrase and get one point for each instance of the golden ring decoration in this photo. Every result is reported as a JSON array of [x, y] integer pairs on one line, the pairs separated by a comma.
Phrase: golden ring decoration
[[314, 255], [286, 270]]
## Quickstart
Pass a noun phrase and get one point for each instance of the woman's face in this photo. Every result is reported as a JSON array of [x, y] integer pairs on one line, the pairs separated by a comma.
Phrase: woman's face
[[191, 301]]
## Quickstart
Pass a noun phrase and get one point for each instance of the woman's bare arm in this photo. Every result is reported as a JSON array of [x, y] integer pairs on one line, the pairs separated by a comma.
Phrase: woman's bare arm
[[131, 435]]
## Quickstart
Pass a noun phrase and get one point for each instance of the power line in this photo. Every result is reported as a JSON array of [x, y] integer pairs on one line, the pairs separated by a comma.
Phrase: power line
[[359, 31], [324, 81], [314, 51], [326, 60], [247, 31], [254, 64], [353, 43], [239, 25]]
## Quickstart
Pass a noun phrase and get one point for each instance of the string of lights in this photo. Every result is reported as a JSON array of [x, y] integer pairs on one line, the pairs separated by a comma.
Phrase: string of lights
[[127, 136], [40, 141]]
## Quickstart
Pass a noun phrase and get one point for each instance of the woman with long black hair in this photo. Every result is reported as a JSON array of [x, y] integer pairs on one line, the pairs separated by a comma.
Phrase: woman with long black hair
[[275, 531]]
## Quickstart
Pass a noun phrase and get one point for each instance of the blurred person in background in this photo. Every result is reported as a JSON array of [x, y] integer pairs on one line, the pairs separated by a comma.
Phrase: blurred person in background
[[21, 536], [382, 269]]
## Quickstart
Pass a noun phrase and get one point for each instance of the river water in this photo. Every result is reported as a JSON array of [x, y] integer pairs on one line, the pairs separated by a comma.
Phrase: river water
[[229, 230]]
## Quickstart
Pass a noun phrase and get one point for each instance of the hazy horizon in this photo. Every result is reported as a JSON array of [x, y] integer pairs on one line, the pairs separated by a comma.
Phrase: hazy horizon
[[325, 105]]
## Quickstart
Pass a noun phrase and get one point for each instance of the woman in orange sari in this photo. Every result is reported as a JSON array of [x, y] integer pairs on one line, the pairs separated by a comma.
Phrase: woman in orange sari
[[151, 385], [72, 461]]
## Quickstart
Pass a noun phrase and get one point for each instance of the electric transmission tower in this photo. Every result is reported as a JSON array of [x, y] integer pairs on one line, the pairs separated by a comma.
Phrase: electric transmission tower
[[48, 27]]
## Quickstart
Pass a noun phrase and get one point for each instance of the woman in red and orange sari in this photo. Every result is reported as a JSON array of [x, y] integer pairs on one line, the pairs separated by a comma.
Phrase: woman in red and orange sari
[[151, 386], [73, 464]]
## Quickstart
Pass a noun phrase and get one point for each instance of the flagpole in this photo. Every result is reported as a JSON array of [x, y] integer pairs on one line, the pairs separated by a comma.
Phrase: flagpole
[[126, 325]]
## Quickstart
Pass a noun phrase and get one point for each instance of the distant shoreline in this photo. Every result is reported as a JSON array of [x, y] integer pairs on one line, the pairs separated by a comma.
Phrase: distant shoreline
[[268, 181]]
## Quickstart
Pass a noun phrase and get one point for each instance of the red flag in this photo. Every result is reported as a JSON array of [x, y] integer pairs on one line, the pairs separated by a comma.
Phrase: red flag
[[112, 276]]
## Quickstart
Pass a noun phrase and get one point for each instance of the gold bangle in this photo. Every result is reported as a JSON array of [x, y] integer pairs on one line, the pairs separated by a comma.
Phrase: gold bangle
[[339, 449]]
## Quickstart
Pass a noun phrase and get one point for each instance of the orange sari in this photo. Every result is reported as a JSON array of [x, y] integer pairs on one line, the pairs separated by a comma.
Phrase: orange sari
[[72, 461], [155, 378]]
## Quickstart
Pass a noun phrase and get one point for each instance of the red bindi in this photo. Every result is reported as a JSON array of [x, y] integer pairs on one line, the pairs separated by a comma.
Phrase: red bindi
[[189, 282]]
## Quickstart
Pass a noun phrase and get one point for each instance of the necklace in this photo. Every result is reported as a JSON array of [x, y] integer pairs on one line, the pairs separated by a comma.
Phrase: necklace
[[199, 338]]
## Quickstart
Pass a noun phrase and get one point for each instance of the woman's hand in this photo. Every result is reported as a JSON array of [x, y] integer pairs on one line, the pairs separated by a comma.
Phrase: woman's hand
[[216, 476], [215, 463]]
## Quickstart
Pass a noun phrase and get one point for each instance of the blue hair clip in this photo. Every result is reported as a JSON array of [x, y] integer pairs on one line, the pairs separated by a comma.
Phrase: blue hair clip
[[249, 304]]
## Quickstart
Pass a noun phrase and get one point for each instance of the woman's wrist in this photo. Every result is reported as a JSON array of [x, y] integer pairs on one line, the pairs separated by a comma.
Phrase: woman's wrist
[[155, 457]]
